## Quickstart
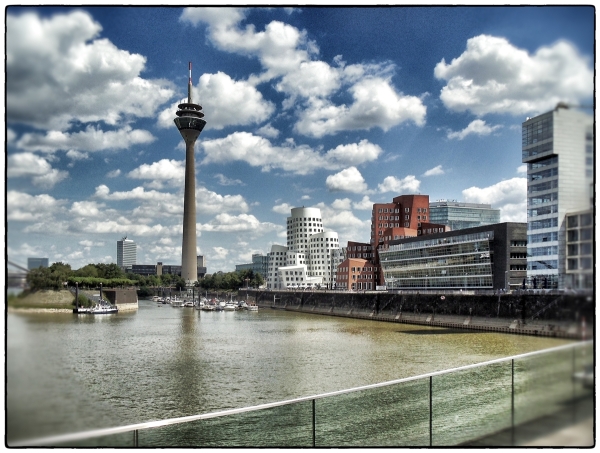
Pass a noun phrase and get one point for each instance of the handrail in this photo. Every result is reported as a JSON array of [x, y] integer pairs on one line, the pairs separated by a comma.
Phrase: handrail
[[71, 437]]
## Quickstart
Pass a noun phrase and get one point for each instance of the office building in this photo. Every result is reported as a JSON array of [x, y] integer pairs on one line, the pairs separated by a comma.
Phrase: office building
[[458, 216], [580, 251], [35, 263], [406, 216], [259, 265], [310, 255], [126, 253], [557, 147], [491, 257], [356, 274], [200, 266], [189, 122]]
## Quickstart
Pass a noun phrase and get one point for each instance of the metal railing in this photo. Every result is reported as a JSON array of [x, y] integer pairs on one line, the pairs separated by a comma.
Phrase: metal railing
[[585, 347]]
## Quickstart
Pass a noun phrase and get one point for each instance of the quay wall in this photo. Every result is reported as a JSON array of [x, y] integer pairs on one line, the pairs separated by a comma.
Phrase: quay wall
[[556, 315], [124, 299]]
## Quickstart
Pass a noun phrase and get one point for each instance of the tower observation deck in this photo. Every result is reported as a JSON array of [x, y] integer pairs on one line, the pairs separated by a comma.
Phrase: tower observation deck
[[189, 122]]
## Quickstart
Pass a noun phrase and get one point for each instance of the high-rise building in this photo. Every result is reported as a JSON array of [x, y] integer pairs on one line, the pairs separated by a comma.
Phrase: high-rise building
[[35, 263], [259, 265], [458, 216], [126, 253], [580, 251], [310, 255], [189, 122], [558, 150]]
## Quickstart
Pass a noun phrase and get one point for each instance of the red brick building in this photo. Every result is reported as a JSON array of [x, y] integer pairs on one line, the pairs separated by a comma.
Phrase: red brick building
[[356, 274]]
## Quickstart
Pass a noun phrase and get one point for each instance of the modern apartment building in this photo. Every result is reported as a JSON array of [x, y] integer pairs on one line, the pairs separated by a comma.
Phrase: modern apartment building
[[491, 257], [310, 255], [126, 253], [557, 147], [458, 215], [359, 250]]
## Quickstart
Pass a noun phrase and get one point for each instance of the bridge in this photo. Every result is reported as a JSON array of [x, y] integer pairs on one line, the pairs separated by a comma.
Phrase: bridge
[[17, 278]]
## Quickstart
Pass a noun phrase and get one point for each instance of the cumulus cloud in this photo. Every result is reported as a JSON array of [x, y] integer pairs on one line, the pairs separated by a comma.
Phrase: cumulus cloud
[[163, 170], [283, 208], [434, 171], [90, 139], [493, 76], [225, 181], [348, 180], [363, 205], [339, 218], [268, 131], [21, 206], [62, 66], [286, 54], [300, 159], [87, 209], [37, 168], [114, 173], [76, 155], [409, 184], [227, 223], [508, 195], [476, 127], [522, 169], [219, 253]]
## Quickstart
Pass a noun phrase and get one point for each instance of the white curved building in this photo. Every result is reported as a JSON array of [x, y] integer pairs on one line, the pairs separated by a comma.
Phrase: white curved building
[[307, 259]]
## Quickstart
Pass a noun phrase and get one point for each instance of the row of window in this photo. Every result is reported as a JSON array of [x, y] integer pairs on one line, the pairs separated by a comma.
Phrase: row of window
[[548, 185], [537, 131], [544, 210], [585, 234]]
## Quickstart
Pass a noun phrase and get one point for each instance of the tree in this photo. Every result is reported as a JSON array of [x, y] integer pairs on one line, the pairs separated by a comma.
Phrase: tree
[[90, 270]]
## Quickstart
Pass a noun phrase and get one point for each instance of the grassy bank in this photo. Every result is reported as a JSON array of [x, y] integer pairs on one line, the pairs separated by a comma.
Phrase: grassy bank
[[42, 299]]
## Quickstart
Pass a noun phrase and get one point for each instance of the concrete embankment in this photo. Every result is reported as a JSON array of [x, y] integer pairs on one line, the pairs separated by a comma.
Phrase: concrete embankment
[[551, 315], [124, 299]]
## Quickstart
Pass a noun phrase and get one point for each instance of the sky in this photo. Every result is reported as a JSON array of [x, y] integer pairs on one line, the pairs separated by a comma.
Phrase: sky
[[329, 107]]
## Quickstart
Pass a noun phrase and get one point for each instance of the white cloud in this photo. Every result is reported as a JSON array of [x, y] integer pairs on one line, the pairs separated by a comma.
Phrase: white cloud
[[227, 223], [61, 66], [24, 207], [283, 208], [493, 76], [341, 204], [339, 218], [434, 171], [114, 173], [88, 243], [476, 127], [219, 253], [348, 180], [522, 169], [376, 104], [225, 181], [409, 184], [87, 209], [30, 165], [300, 159], [268, 131], [508, 195], [91, 139], [169, 170], [76, 155], [363, 205]]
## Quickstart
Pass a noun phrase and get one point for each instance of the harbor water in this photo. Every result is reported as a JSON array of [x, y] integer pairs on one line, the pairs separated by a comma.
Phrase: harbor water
[[69, 373]]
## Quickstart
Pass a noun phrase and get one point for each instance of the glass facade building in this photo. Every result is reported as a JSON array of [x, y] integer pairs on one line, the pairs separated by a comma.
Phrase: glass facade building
[[259, 265], [557, 147], [126, 253], [458, 216], [35, 263], [580, 251], [489, 257]]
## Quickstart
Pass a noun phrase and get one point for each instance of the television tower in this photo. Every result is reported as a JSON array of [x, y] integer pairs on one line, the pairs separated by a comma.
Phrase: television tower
[[190, 123]]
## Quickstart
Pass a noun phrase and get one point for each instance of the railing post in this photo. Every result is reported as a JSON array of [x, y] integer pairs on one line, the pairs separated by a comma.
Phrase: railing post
[[512, 403], [574, 391], [430, 411], [313, 423], [135, 438]]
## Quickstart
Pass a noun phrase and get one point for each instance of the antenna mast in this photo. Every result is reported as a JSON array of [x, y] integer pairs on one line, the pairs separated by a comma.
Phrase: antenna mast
[[190, 84]]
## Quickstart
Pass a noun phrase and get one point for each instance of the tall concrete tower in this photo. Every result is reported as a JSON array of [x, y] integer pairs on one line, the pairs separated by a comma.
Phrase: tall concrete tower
[[190, 123]]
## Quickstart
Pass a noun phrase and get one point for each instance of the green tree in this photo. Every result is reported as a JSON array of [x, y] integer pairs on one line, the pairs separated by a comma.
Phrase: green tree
[[89, 270]]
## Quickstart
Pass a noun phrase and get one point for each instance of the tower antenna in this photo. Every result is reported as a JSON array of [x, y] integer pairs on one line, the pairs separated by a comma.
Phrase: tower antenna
[[190, 84]]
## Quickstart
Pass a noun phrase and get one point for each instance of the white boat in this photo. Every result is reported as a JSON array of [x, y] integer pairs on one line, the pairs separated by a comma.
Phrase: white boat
[[229, 306], [176, 303], [103, 307], [188, 303], [252, 307], [154, 298]]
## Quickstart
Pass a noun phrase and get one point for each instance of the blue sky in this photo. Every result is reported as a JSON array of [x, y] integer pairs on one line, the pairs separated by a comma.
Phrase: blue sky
[[336, 108]]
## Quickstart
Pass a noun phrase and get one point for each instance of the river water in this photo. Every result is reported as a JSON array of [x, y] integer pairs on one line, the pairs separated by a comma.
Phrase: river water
[[68, 373]]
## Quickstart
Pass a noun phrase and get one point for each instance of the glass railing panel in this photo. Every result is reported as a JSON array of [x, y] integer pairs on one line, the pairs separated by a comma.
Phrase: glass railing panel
[[283, 426], [583, 371], [543, 385], [471, 404], [395, 415], [111, 441]]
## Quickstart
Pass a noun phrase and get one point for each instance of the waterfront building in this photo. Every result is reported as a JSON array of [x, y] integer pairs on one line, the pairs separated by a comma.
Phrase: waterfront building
[[362, 250], [580, 251], [458, 216], [158, 269], [201, 266], [406, 216], [356, 274], [558, 148], [35, 263], [189, 122], [259, 265], [126, 253], [309, 256], [491, 257]]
